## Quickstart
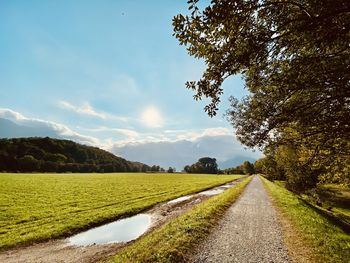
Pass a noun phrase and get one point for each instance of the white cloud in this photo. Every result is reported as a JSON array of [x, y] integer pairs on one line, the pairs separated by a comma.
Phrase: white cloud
[[196, 134], [84, 109], [37, 127], [131, 134], [170, 136], [10, 114], [151, 117], [219, 131], [67, 133], [88, 110]]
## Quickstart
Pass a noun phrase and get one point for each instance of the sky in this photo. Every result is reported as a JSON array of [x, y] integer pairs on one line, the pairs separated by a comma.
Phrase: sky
[[105, 73]]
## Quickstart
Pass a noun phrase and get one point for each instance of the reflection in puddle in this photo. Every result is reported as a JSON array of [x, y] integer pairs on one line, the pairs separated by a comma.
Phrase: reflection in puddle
[[180, 199], [226, 186], [122, 230], [212, 192]]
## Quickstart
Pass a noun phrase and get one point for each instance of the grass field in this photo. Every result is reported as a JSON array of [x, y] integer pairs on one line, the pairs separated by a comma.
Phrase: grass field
[[328, 242], [42, 206], [173, 242]]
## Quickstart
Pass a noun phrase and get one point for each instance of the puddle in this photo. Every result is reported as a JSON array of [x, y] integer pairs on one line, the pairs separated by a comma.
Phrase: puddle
[[123, 230], [128, 229], [226, 186], [180, 199], [212, 192]]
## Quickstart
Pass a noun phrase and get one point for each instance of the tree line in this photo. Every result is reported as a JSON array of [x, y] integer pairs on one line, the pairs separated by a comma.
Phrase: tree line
[[208, 165], [53, 155], [245, 168]]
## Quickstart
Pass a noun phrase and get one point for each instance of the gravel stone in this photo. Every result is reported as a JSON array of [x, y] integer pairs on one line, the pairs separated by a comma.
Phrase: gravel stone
[[248, 232]]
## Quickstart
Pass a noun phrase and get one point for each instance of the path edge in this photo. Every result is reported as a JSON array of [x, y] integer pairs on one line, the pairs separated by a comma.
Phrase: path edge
[[298, 249]]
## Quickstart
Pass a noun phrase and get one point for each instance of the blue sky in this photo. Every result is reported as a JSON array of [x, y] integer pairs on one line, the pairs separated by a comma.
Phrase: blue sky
[[109, 70]]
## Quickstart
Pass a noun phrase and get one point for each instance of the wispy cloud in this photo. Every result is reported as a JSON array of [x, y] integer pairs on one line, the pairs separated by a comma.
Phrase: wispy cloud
[[10, 114], [130, 134], [87, 110], [171, 136], [47, 127]]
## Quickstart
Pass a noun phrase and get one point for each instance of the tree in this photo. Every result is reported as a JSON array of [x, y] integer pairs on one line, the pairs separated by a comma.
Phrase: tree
[[155, 168], [28, 163], [248, 168], [209, 165], [171, 170], [268, 166], [294, 57], [204, 165], [234, 170], [187, 169]]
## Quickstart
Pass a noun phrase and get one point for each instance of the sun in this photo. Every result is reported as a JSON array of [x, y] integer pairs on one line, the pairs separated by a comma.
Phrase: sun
[[151, 117]]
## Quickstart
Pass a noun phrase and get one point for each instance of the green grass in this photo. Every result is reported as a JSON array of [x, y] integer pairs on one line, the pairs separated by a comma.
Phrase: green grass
[[173, 241], [328, 242], [37, 207]]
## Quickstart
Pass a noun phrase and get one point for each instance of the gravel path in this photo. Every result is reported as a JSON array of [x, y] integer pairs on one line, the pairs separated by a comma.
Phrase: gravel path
[[248, 232]]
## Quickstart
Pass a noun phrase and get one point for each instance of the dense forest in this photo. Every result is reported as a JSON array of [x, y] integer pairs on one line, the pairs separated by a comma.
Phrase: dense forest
[[53, 155]]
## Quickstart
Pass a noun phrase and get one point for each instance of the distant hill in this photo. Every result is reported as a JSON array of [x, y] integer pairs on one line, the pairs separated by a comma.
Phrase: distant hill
[[10, 129], [225, 148], [52, 155], [238, 160]]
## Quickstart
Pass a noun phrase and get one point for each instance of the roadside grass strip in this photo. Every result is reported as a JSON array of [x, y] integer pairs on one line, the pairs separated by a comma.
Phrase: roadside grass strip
[[327, 241], [38, 207], [173, 241]]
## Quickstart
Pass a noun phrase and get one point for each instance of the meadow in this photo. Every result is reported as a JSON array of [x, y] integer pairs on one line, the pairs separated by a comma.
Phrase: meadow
[[37, 207]]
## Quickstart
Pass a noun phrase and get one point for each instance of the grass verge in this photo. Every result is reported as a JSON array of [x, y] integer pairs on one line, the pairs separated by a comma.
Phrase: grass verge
[[173, 241], [328, 242]]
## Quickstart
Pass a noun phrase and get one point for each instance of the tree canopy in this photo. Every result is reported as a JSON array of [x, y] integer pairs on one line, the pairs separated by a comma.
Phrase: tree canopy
[[294, 57], [203, 165]]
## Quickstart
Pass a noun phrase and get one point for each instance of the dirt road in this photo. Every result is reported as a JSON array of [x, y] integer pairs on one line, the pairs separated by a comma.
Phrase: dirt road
[[249, 232]]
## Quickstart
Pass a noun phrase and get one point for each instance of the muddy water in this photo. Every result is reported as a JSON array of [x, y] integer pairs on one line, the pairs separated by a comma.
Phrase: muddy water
[[180, 199], [123, 230], [212, 192]]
